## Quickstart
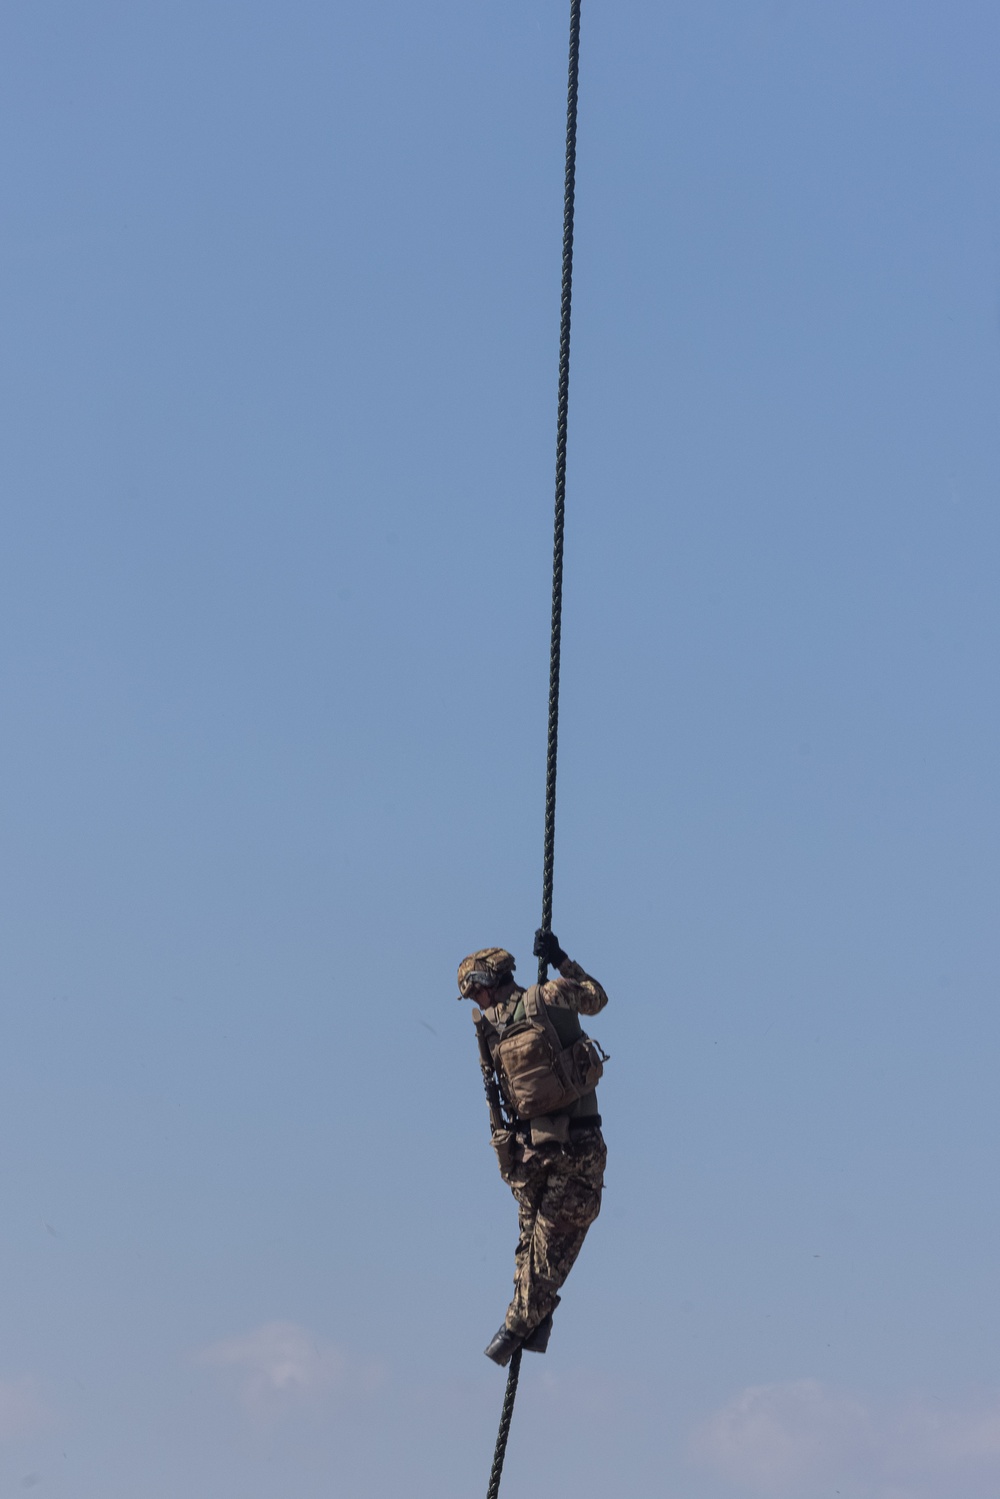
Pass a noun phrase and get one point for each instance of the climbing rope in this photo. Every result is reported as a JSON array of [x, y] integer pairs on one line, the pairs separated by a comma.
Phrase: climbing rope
[[559, 527], [562, 424], [504, 1432]]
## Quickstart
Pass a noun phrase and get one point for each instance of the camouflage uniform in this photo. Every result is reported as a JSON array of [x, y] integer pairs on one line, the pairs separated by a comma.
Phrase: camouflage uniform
[[557, 1186]]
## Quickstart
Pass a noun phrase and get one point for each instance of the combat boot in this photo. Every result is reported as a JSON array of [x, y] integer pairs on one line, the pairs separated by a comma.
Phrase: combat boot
[[502, 1347], [538, 1338]]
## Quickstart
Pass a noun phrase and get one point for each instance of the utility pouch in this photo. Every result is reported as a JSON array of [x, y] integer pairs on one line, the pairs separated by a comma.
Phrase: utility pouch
[[503, 1142], [589, 1058], [550, 1129]]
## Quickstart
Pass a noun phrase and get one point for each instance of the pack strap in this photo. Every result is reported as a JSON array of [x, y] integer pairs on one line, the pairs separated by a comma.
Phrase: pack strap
[[535, 1009]]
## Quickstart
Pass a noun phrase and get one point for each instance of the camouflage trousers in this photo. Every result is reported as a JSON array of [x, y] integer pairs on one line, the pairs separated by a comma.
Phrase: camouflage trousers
[[558, 1191]]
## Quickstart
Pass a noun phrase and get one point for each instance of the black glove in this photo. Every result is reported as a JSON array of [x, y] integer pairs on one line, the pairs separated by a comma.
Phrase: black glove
[[547, 948]]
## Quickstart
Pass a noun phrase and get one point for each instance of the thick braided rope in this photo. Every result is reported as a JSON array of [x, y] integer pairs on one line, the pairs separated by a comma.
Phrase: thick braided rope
[[504, 1432], [562, 424]]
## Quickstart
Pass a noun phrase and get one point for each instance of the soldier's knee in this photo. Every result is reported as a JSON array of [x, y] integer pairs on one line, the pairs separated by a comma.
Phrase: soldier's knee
[[576, 1206]]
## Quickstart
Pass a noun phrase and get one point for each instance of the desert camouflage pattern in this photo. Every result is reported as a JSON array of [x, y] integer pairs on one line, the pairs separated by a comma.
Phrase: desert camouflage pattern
[[558, 1190], [494, 960]]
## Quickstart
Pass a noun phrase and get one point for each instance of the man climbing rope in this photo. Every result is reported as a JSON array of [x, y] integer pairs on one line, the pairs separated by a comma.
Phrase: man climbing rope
[[549, 1145]]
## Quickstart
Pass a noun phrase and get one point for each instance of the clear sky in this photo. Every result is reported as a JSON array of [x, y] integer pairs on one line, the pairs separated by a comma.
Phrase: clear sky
[[278, 342]]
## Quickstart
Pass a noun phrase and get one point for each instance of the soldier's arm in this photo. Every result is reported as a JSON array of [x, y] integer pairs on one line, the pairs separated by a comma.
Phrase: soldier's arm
[[576, 990]]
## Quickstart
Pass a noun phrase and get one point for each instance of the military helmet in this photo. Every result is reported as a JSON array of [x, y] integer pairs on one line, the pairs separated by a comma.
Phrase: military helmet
[[486, 969]]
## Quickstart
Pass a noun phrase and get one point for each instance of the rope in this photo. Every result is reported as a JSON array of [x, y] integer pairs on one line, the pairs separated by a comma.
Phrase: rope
[[562, 423], [504, 1432]]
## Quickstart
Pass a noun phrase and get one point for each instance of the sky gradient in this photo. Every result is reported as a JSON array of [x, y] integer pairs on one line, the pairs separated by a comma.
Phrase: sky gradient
[[278, 339]]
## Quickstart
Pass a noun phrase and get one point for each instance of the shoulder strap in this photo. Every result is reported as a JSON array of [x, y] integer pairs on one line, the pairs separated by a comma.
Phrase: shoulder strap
[[496, 1018], [534, 1009]]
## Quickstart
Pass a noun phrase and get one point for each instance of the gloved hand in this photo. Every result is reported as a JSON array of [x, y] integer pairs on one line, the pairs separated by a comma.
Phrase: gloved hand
[[547, 948]]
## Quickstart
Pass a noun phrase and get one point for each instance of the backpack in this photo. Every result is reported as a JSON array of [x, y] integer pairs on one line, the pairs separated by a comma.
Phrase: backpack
[[541, 1076]]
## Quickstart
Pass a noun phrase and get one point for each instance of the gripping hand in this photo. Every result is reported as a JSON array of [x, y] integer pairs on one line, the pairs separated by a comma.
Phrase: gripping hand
[[547, 948]]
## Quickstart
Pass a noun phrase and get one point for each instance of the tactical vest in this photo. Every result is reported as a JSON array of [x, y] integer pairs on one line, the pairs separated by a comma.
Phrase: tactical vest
[[538, 1073]]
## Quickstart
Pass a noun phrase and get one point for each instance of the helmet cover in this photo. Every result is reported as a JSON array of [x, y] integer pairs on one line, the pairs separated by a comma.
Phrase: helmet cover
[[486, 969]]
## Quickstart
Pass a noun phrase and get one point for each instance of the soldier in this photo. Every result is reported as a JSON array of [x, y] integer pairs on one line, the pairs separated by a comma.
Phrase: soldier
[[553, 1156]]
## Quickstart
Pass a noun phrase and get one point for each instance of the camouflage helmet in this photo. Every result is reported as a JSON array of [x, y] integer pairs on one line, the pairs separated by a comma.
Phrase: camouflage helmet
[[486, 969]]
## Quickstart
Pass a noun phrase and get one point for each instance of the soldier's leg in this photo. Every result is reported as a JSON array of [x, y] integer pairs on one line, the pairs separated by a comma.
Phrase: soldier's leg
[[569, 1202], [527, 1182], [527, 1211]]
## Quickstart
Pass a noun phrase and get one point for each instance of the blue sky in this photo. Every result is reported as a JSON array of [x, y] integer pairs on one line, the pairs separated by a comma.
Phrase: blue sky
[[279, 330]]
